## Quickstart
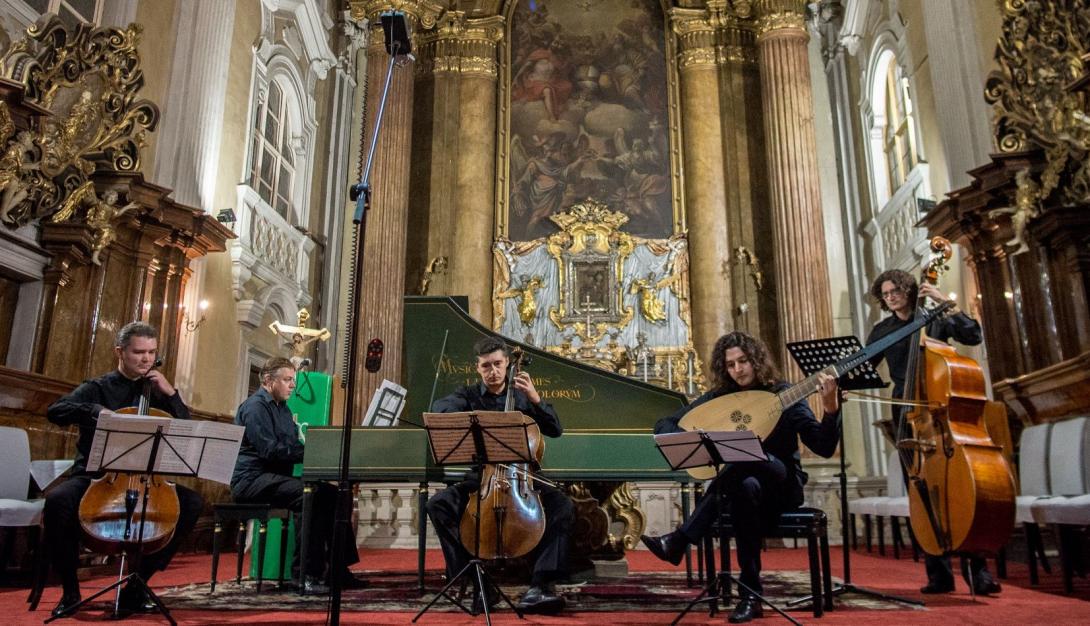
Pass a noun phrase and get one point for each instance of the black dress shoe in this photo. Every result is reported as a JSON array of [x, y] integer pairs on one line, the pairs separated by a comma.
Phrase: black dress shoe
[[493, 600], [350, 582], [669, 547], [134, 600], [68, 600], [314, 587], [541, 600], [986, 587], [748, 608], [933, 587]]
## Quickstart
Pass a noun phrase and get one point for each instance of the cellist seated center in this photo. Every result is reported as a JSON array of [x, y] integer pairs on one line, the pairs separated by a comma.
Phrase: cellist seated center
[[446, 508]]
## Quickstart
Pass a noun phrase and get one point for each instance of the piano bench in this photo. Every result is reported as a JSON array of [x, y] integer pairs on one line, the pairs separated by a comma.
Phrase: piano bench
[[242, 513], [803, 523]]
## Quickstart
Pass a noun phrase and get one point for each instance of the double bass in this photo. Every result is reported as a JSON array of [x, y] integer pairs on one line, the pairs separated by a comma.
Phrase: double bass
[[112, 513], [512, 517], [960, 485]]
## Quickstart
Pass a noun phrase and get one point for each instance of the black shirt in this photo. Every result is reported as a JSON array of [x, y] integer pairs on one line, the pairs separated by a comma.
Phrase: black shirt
[[959, 327], [271, 441], [110, 391], [797, 421], [479, 398]]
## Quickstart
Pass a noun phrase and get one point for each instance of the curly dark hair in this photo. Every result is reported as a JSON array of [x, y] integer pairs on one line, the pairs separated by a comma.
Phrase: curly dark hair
[[901, 279], [488, 345], [764, 367]]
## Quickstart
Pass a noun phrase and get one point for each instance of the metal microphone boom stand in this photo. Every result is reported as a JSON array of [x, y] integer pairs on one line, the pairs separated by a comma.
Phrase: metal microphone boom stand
[[397, 42]]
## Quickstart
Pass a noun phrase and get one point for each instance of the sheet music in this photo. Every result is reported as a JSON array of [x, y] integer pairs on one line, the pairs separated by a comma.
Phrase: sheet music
[[386, 405], [684, 450], [504, 437], [189, 447]]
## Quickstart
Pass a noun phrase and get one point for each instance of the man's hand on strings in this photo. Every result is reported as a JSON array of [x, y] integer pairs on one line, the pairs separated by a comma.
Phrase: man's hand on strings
[[160, 382], [830, 393], [525, 384]]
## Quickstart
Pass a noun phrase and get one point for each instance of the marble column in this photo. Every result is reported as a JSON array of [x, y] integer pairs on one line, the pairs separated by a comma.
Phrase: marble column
[[471, 253], [705, 188], [802, 275], [379, 304]]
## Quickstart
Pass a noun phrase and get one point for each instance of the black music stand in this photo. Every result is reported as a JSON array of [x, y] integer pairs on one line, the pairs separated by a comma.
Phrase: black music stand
[[813, 356], [478, 438], [701, 449], [115, 456]]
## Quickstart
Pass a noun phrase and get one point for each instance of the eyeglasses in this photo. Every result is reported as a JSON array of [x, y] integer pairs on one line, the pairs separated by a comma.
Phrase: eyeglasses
[[892, 293]]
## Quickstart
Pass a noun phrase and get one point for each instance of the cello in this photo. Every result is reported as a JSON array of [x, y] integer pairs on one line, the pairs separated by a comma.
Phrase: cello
[[960, 485], [111, 514], [512, 517]]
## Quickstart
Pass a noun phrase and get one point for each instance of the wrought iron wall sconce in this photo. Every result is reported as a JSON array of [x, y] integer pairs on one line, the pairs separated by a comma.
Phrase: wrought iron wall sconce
[[191, 324]]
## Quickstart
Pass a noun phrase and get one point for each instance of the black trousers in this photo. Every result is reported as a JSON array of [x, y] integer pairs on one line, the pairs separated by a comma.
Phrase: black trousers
[[551, 555], [286, 492], [62, 530], [754, 494], [941, 572]]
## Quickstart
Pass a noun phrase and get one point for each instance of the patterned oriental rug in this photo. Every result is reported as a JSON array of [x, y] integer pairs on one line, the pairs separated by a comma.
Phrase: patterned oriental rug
[[397, 591]]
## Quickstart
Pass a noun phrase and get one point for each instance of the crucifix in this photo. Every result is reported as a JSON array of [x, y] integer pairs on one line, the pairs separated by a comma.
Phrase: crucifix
[[299, 337]]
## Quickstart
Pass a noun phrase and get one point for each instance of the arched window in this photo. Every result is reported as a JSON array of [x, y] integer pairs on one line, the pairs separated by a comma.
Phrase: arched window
[[71, 12], [894, 143], [273, 171], [900, 138]]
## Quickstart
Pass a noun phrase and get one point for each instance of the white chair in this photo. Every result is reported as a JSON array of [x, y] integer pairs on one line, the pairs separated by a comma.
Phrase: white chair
[[16, 511], [868, 508], [1069, 476], [1033, 470], [894, 507]]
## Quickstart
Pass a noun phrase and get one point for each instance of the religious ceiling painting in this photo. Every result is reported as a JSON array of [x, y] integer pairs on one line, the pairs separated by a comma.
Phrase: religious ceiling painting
[[588, 116]]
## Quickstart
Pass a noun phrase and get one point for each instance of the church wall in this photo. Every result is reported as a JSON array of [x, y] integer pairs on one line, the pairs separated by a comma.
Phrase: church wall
[[217, 363], [156, 46]]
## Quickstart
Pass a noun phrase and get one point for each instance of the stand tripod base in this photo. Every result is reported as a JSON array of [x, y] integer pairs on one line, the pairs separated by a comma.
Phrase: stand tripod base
[[843, 588], [473, 573], [133, 579], [713, 593]]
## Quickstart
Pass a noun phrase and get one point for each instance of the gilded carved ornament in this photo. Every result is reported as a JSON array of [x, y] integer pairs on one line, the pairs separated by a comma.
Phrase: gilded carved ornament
[[422, 12], [778, 15], [464, 46], [1044, 48], [589, 230], [88, 78], [101, 215]]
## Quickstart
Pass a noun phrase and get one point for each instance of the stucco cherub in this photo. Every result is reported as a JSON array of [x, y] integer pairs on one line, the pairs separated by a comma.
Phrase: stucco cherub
[[1024, 209], [652, 307]]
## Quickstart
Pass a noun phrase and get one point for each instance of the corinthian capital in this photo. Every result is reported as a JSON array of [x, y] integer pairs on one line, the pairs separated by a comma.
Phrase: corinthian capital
[[419, 12], [775, 15]]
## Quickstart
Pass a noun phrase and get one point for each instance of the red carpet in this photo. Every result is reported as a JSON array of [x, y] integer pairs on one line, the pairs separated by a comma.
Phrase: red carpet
[[1018, 604]]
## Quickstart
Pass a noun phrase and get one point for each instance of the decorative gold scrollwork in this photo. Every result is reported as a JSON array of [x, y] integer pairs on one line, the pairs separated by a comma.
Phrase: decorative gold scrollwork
[[1045, 48], [88, 78]]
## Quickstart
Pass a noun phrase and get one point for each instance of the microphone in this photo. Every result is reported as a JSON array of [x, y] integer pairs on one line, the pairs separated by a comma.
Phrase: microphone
[[395, 31], [305, 363], [374, 355]]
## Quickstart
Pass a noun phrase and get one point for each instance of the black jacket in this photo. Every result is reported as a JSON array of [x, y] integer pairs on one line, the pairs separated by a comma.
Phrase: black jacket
[[271, 442], [110, 391], [796, 422], [959, 327]]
